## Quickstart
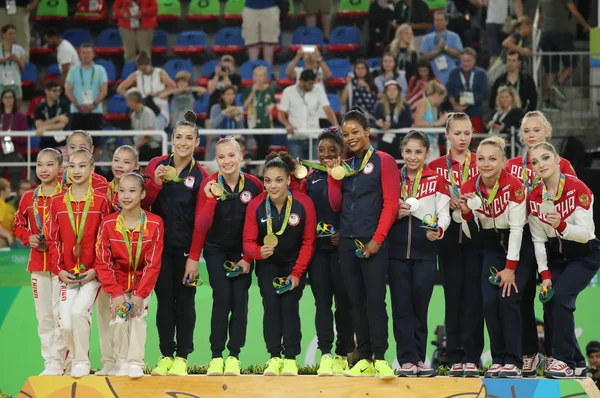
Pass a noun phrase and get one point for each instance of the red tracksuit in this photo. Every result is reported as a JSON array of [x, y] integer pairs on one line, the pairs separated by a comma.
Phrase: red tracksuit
[[98, 182], [515, 167]]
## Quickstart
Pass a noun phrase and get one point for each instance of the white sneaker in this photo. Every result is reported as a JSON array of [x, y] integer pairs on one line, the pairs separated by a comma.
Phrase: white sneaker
[[107, 368], [470, 370], [135, 371], [493, 370], [548, 364], [80, 370], [457, 370], [530, 365], [122, 371], [510, 371], [560, 370], [51, 371], [407, 370], [425, 371], [581, 372]]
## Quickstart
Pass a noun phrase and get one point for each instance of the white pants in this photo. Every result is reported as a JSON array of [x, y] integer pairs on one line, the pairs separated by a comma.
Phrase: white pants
[[75, 309], [105, 334], [46, 296], [130, 336]]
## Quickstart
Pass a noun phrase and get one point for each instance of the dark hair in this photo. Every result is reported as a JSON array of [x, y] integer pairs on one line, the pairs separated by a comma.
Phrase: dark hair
[[131, 150], [332, 133], [469, 51], [86, 45], [358, 115], [416, 135], [281, 160], [10, 90], [592, 347], [50, 84], [141, 179], [8, 26], [308, 75], [85, 151], [395, 70], [51, 32], [223, 91], [55, 152], [25, 181], [368, 76], [423, 63], [84, 133], [142, 59], [189, 119], [513, 52]]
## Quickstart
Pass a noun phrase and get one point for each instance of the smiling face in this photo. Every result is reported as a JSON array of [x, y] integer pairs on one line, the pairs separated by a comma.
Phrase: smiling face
[[356, 138], [459, 135], [80, 168], [360, 70], [277, 182], [423, 72], [544, 162], [406, 36], [328, 150], [228, 158], [10, 35], [185, 140], [533, 131], [414, 154], [48, 167], [490, 161], [467, 62], [123, 162], [505, 99], [77, 141], [440, 22], [131, 193]]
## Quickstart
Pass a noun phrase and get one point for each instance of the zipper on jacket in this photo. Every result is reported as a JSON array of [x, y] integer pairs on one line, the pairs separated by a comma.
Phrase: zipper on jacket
[[39, 232], [409, 235]]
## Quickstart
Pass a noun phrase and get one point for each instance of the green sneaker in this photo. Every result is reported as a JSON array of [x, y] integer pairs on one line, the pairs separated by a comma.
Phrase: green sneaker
[[179, 367], [383, 370], [326, 366], [289, 368], [232, 366], [340, 365], [273, 367], [362, 368], [163, 366], [215, 367]]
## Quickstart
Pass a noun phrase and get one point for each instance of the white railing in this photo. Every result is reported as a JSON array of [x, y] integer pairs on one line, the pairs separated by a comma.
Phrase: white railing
[[537, 59]]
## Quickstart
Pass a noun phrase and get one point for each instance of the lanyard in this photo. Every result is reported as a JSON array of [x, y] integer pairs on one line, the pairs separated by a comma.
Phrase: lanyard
[[36, 210], [288, 211], [113, 197], [128, 243], [78, 228], [415, 184], [406, 12], [492, 194], [559, 192], [93, 76], [179, 179], [9, 62], [56, 113], [465, 173], [10, 122], [471, 78], [350, 168], [525, 174], [315, 166], [302, 96], [225, 195], [402, 59]]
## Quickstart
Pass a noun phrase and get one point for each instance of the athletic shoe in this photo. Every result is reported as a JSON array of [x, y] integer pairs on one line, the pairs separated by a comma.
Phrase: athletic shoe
[[530, 365], [457, 370], [340, 365], [215, 367], [232, 366], [510, 371], [470, 370], [560, 370], [549, 363], [68, 367], [135, 371], [107, 368], [273, 367], [326, 366], [425, 371], [179, 367], [290, 368], [163, 366], [80, 370], [407, 370], [52, 371], [493, 370], [362, 368], [556, 89], [383, 370], [123, 370], [549, 106], [581, 371]]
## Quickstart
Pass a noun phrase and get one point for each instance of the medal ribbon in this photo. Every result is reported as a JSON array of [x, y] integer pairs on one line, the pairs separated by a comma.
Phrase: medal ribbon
[[350, 168], [179, 179], [36, 210], [288, 211], [559, 192], [128, 243], [80, 227], [415, 184], [492, 194], [465, 173], [525, 174], [312, 165], [221, 182], [113, 196]]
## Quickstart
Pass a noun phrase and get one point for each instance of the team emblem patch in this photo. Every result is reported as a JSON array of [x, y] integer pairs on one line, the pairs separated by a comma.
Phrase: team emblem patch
[[368, 168], [519, 194], [294, 219], [584, 200], [189, 182], [246, 197]]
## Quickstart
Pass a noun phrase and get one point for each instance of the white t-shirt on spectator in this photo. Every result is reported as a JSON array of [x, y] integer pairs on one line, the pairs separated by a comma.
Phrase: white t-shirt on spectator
[[12, 66], [318, 82], [303, 109], [66, 54], [497, 11]]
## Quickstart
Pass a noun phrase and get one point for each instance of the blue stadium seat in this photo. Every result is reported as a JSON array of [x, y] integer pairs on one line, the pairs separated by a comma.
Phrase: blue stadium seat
[[111, 71], [207, 70], [283, 80], [29, 75], [374, 64], [175, 65], [128, 69], [190, 42], [77, 36], [340, 67], [52, 73], [344, 39], [201, 107], [228, 41], [306, 35], [334, 102], [117, 110], [278, 143], [109, 42], [160, 42], [248, 67]]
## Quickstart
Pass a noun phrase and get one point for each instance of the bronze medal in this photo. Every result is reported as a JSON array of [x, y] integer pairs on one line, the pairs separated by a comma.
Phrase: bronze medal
[[271, 240], [217, 190], [42, 246], [300, 172], [77, 250], [338, 173], [170, 173]]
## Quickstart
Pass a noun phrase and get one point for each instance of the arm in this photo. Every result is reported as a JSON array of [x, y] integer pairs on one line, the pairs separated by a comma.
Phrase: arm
[[442, 206], [152, 190], [101, 95], [429, 55], [64, 71], [325, 69], [511, 45], [148, 9], [21, 225], [251, 247], [344, 94], [152, 261], [52, 234], [216, 116], [166, 79], [21, 62], [119, 9], [582, 230], [518, 5], [539, 238], [290, 71], [249, 97], [105, 264], [5, 233], [282, 116], [581, 20], [212, 83], [390, 186], [198, 239], [517, 213], [334, 193], [166, 93], [126, 84], [309, 235], [206, 213]]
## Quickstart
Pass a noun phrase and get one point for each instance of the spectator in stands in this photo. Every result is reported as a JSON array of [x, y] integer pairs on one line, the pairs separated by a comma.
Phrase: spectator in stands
[[389, 71], [299, 110], [137, 21], [7, 215], [402, 48], [592, 351], [14, 149], [143, 118], [556, 37], [522, 29], [66, 55], [468, 89], [498, 11], [360, 89], [416, 14], [312, 61], [24, 186], [12, 62], [427, 114], [259, 100], [508, 112], [391, 113], [442, 47], [181, 97], [51, 115], [260, 26], [151, 82], [521, 81], [319, 7], [247, 166], [418, 83], [225, 115], [223, 76], [16, 13]]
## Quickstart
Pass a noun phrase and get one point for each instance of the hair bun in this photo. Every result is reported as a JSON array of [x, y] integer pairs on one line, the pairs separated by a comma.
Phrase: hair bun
[[190, 116], [357, 109]]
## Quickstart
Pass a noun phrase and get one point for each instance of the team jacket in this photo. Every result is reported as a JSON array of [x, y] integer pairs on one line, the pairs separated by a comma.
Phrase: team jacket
[[515, 167], [177, 204], [98, 182], [60, 235], [112, 258], [296, 245], [500, 224], [368, 200], [408, 240], [221, 223], [113, 197], [316, 187], [25, 226], [574, 236]]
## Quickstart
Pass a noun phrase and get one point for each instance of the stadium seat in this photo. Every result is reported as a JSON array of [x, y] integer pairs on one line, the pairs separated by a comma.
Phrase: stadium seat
[[344, 39], [204, 10], [334, 102], [190, 42], [340, 67], [52, 73], [77, 36], [176, 65], [52, 11], [374, 64], [111, 71], [247, 68], [353, 9], [109, 43], [305, 35], [117, 110], [201, 148], [40, 51], [33, 103], [228, 41], [127, 70], [201, 107], [276, 47], [278, 143], [233, 10], [160, 42], [29, 75], [283, 80], [207, 70], [168, 10], [90, 11]]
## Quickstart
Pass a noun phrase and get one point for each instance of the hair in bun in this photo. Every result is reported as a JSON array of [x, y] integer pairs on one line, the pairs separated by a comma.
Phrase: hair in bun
[[358, 115], [189, 120], [281, 160], [332, 133]]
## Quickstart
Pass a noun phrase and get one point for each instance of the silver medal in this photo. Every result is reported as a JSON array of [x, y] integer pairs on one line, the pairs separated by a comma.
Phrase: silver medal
[[474, 203], [457, 216], [413, 203], [547, 207]]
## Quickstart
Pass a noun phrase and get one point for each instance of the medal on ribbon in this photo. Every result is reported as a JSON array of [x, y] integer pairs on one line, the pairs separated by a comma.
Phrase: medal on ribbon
[[78, 227], [477, 201], [133, 262], [194, 282], [124, 310], [271, 238], [232, 269], [411, 200], [171, 172], [493, 278], [281, 285], [547, 205], [42, 246], [349, 168], [219, 191], [454, 184], [360, 249]]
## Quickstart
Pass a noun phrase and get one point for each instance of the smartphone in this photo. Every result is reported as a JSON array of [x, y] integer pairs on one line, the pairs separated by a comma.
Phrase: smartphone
[[309, 49]]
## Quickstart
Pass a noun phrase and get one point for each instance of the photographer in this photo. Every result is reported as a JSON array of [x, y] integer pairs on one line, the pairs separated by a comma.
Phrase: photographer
[[223, 76], [312, 60]]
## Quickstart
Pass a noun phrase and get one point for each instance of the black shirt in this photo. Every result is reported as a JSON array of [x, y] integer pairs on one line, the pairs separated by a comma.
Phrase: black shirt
[[417, 12], [20, 3], [525, 86], [236, 80], [316, 187], [44, 112]]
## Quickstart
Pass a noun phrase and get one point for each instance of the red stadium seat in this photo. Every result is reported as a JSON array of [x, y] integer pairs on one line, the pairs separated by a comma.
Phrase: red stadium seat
[[90, 11]]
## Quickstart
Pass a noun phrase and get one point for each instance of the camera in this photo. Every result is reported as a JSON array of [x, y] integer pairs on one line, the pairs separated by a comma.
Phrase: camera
[[309, 49], [224, 69]]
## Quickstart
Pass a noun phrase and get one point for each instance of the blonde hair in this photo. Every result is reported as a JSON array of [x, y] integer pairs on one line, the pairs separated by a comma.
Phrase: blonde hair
[[4, 184], [544, 145], [395, 44], [516, 99], [229, 140], [524, 20], [457, 116], [494, 140], [542, 118], [434, 87], [183, 75], [386, 101]]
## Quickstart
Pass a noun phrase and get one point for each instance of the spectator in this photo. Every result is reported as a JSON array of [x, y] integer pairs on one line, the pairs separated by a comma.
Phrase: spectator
[[498, 11], [223, 76], [442, 47], [260, 27], [521, 81], [319, 7], [418, 83], [24, 186], [151, 82], [16, 13], [404, 52], [416, 14], [12, 62], [468, 88], [312, 61], [389, 71], [13, 149], [137, 21], [380, 14], [522, 29], [7, 215], [428, 115], [508, 112], [247, 166], [391, 113], [259, 100], [225, 115], [66, 55], [299, 110], [557, 38], [360, 89], [592, 351], [181, 97], [143, 118], [51, 115], [86, 87]]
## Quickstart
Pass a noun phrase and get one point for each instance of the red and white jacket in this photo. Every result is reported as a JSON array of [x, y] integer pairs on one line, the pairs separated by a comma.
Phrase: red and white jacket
[[576, 229], [500, 223], [515, 167], [98, 182], [112, 258]]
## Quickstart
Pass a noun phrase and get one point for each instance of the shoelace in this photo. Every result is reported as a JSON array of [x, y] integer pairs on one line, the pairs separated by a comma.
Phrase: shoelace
[[407, 366], [528, 362]]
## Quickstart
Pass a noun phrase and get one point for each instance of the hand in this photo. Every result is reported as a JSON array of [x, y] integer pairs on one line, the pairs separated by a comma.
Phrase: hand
[[507, 281], [379, 123], [138, 307], [553, 219], [526, 52], [547, 283], [294, 281], [90, 275], [207, 190], [300, 53], [266, 251], [34, 241], [256, 87], [434, 235], [387, 125], [442, 44], [586, 28], [349, 78], [115, 304], [454, 203], [66, 277], [331, 164], [159, 175], [372, 248], [403, 211], [191, 270], [596, 376], [490, 124], [218, 70], [40, 132], [290, 129], [245, 266], [335, 238], [363, 83], [29, 7], [463, 202]]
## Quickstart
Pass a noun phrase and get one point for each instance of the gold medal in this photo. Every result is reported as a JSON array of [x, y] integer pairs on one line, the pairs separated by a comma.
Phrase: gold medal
[[170, 173], [217, 190], [77, 250], [338, 173], [300, 172], [271, 240]]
